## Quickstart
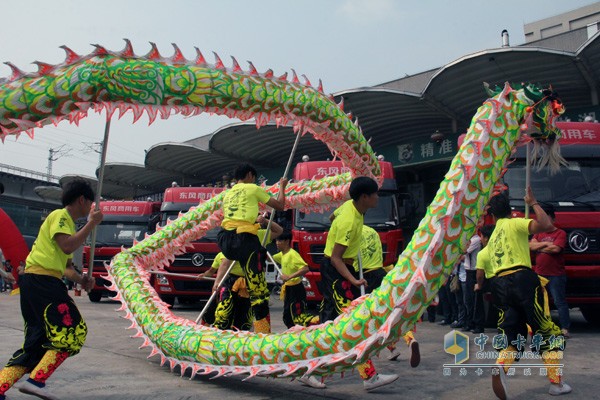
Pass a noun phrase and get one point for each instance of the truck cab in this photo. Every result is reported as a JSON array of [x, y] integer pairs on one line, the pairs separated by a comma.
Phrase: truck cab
[[124, 222], [574, 193], [309, 230], [169, 287]]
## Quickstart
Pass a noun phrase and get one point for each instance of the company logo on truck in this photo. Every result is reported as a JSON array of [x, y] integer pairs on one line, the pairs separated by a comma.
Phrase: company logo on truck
[[578, 241], [198, 259]]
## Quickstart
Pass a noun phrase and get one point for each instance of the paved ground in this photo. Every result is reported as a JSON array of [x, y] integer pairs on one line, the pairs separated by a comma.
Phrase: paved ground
[[110, 366]]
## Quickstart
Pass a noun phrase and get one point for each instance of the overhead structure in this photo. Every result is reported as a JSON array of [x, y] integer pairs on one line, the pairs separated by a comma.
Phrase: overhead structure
[[411, 108]]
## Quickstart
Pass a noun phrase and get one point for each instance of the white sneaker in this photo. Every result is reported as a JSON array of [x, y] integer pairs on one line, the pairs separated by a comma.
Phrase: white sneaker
[[394, 354], [312, 382], [415, 354], [379, 380], [29, 388], [499, 384], [556, 389]]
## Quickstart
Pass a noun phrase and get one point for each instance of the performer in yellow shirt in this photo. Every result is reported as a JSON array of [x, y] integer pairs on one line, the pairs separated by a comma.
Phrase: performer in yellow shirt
[[293, 268], [518, 291], [339, 279], [233, 304], [233, 309], [54, 328], [238, 241]]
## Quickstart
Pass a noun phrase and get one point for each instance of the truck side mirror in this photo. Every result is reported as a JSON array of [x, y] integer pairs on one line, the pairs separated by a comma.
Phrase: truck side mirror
[[154, 219]]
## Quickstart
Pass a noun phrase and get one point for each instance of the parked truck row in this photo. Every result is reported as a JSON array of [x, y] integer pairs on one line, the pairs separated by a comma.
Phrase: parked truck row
[[574, 193]]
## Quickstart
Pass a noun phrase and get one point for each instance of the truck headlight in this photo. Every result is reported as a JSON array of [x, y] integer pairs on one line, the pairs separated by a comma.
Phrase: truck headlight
[[306, 283], [162, 280]]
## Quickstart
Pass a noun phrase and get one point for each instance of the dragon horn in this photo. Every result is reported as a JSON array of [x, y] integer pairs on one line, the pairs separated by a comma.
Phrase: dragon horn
[[489, 91], [128, 49], [154, 54], [178, 55], [71, 55], [16, 72], [200, 60]]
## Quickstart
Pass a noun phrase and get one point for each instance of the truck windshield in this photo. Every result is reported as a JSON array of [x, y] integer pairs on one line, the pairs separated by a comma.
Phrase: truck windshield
[[112, 233], [578, 182], [173, 215], [384, 215]]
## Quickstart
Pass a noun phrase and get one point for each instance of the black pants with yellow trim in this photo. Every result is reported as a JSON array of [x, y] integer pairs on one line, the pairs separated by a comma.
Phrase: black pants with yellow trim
[[374, 277], [519, 297], [233, 310], [337, 292], [52, 320], [247, 250], [294, 306]]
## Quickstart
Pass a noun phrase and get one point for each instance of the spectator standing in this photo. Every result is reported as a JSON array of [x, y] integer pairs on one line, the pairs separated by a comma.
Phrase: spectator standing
[[548, 248], [470, 279]]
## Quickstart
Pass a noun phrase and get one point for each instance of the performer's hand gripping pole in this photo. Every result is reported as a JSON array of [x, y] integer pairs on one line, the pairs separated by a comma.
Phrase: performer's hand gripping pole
[[361, 274], [215, 292]]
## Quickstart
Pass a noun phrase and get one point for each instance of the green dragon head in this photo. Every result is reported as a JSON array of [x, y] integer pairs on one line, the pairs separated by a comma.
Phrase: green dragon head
[[543, 112]]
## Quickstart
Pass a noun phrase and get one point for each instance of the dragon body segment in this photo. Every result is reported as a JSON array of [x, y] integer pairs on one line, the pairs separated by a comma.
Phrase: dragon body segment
[[123, 82]]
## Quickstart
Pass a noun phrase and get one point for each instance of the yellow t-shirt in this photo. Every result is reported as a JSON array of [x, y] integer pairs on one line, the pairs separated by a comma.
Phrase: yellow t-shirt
[[371, 252], [291, 262], [346, 229], [236, 270], [45, 252], [240, 205], [509, 244], [483, 262]]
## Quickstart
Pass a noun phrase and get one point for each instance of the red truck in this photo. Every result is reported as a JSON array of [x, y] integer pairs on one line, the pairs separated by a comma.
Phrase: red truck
[[574, 193], [195, 261], [309, 230], [123, 222]]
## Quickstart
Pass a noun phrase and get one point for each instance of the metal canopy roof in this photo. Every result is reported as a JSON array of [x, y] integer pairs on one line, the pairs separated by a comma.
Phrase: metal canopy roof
[[133, 180], [268, 147], [458, 87], [188, 161], [389, 116], [386, 115], [109, 190]]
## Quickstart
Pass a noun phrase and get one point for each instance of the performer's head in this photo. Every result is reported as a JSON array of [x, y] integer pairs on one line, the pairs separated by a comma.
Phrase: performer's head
[[284, 241], [499, 206], [486, 232], [79, 196], [363, 191], [245, 173]]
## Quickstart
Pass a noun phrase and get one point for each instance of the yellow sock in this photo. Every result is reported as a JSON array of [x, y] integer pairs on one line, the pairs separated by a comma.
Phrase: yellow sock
[[9, 375], [366, 370], [506, 357], [47, 365], [553, 357], [409, 337], [262, 326]]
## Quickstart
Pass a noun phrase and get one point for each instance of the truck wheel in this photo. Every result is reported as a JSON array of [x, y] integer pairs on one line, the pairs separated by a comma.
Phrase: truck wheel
[[94, 296], [170, 300], [591, 314]]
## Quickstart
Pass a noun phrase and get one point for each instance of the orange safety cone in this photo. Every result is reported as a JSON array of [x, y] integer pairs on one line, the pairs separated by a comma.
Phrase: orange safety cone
[[77, 291]]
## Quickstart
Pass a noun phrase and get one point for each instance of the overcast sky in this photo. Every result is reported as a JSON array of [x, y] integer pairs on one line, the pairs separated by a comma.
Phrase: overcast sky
[[346, 43]]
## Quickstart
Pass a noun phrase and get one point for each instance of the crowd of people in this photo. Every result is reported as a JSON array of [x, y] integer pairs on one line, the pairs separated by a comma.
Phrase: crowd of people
[[496, 265]]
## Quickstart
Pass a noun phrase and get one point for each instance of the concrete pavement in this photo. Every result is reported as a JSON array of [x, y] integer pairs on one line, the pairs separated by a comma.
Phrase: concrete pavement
[[110, 366]]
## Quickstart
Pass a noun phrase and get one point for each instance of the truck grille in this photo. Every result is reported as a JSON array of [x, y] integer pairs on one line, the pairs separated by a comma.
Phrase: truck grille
[[316, 253], [583, 287], [198, 260], [193, 286], [99, 262]]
